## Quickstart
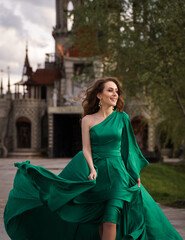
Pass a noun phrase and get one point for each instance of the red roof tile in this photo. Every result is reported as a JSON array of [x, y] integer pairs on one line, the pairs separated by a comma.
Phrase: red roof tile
[[44, 77]]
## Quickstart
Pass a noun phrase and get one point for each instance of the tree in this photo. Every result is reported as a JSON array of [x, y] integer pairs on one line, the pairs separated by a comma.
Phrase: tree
[[142, 43]]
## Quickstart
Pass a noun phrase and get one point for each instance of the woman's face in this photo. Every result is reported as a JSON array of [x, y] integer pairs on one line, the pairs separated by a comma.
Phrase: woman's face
[[109, 96]]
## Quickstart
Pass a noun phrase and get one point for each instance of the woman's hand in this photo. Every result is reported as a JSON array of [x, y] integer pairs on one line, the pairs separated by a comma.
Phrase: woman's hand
[[93, 174], [138, 181]]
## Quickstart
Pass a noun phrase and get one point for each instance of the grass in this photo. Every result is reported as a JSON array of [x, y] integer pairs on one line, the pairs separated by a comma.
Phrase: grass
[[166, 183]]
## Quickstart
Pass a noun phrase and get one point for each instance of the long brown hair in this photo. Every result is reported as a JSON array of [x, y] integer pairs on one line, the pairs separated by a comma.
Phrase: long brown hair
[[91, 101]]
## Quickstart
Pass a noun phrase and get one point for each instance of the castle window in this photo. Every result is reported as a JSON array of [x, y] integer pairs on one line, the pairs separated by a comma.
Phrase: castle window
[[79, 69], [43, 92], [23, 126], [70, 16], [82, 68], [83, 74]]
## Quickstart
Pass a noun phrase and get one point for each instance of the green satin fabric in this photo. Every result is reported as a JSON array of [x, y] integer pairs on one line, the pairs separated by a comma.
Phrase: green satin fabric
[[45, 206]]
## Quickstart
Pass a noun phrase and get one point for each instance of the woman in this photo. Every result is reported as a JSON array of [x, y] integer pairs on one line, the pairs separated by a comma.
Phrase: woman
[[100, 102], [98, 195]]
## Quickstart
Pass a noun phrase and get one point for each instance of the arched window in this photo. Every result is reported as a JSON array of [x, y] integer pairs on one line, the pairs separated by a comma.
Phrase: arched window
[[70, 17], [23, 126], [140, 127], [43, 92]]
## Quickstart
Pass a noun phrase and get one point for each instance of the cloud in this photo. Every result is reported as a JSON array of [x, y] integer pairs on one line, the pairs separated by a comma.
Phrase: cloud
[[9, 20], [21, 21], [11, 49], [10, 44], [40, 16], [42, 3]]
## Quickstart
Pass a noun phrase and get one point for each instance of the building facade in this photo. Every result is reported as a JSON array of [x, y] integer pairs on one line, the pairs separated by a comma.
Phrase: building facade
[[44, 119]]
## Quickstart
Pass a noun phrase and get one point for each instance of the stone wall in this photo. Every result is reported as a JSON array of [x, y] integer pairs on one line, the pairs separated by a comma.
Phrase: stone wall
[[34, 110], [5, 113]]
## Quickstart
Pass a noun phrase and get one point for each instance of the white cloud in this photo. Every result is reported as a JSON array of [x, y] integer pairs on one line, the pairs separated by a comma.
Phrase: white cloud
[[39, 15], [43, 3], [9, 19], [21, 21], [10, 45]]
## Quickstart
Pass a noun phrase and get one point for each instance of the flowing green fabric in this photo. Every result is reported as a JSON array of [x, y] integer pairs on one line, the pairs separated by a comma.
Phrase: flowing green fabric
[[68, 206]]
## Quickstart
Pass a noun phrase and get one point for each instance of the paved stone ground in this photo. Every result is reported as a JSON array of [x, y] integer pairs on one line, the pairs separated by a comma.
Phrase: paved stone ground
[[7, 173]]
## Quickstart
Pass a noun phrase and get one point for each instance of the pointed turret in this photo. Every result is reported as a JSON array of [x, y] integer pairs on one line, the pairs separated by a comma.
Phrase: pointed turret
[[1, 88], [8, 70], [27, 69]]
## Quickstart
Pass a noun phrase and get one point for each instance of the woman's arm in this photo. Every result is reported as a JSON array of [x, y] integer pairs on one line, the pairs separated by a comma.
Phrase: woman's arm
[[86, 147], [138, 181]]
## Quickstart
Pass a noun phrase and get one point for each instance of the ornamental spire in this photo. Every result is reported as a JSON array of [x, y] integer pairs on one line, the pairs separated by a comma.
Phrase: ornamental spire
[[1, 88], [8, 70], [27, 69]]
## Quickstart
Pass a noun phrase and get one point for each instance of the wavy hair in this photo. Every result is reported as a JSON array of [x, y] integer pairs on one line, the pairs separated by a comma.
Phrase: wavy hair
[[91, 101]]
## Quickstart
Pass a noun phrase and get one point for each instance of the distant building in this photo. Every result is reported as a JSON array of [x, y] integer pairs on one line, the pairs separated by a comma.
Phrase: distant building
[[45, 118]]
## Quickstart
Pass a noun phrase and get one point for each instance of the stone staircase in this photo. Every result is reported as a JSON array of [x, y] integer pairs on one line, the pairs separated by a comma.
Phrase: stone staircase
[[24, 155]]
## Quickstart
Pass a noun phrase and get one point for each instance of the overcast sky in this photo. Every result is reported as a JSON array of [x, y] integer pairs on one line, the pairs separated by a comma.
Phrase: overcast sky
[[21, 21]]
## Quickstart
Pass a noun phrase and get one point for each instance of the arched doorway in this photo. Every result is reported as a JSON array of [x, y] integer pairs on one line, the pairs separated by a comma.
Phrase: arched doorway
[[66, 135], [140, 127], [23, 126]]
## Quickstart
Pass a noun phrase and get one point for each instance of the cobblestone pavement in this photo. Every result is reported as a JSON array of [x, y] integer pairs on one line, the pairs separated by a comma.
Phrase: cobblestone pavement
[[7, 173]]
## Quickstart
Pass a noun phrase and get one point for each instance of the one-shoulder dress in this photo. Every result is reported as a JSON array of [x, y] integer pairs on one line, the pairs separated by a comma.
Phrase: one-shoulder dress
[[69, 206]]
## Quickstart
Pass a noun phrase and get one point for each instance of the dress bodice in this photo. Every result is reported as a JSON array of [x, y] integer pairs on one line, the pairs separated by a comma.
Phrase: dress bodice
[[114, 136], [106, 137]]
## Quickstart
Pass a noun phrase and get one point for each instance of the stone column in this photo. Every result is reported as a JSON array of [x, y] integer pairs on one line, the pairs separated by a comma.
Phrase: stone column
[[61, 91], [98, 68], [69, 75], [50, 135], [151, 136], [34, 133]]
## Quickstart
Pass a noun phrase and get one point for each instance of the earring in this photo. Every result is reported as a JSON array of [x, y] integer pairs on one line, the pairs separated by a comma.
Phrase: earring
[[99, 104]]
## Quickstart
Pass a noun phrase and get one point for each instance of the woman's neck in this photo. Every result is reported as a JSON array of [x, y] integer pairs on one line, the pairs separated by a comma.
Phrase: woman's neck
[[104, 112]]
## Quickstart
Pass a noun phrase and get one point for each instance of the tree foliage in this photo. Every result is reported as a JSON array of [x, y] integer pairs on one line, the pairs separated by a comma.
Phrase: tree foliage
[[142, 43]]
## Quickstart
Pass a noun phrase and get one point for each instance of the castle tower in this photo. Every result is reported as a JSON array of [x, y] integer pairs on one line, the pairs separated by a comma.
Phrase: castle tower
[[8, 69], [27, 69], [63, 29], [77, 73], [26, 75], [1, 88]]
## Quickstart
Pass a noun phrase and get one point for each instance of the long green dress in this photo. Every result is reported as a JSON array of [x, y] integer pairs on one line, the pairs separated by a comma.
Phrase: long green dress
[[68, 206]]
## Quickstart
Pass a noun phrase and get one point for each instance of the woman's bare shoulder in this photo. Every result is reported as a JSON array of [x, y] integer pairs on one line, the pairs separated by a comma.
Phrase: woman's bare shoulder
[[89, 119], [89, 116]]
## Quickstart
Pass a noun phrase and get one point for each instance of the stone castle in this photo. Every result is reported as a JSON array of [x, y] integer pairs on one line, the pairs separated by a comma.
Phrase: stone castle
[[44, 118]]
